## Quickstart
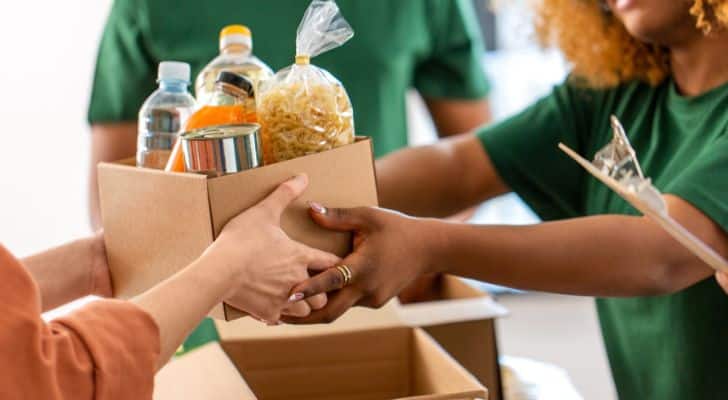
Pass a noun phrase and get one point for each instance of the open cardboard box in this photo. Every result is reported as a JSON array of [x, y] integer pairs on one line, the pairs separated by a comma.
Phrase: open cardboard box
[[461, 318], [387, 363], [156, 222]]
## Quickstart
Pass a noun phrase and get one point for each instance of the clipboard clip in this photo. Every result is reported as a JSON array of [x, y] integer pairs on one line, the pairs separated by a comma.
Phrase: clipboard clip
[[616, 166], [618, 160]]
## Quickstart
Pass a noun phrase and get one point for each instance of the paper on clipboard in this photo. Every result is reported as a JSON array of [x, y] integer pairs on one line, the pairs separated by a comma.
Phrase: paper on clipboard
[[616, 166]]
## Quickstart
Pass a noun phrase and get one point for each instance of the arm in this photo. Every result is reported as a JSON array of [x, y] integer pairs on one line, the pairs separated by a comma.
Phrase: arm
[[110, 349], [458, 173], [454, 117], [109, 142], [70, 271], [606, 255], [252, 270]]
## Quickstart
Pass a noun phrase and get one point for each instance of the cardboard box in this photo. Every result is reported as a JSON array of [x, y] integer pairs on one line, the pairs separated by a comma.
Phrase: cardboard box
[[388, 363], [156, 223], [461, 319]]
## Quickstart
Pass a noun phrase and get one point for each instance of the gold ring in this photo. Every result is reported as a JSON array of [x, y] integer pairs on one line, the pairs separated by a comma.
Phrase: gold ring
[[346, 272]]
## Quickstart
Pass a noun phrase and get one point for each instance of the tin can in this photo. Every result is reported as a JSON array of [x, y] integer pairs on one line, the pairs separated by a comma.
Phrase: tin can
[[221, 150]]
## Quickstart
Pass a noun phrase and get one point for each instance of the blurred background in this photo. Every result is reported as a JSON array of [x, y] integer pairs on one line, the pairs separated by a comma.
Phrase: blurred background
[[49, 53]]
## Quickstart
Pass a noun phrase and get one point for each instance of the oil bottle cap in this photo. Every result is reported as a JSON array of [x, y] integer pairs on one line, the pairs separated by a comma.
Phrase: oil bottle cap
[[173, 70], [239, 81], [235, 34]]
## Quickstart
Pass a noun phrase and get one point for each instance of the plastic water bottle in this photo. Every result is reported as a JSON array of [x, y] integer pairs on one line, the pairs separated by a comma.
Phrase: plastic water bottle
[[164, 114]]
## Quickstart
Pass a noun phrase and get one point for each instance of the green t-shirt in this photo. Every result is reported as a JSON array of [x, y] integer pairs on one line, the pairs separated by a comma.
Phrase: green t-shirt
[[661, 347], [431, 45]]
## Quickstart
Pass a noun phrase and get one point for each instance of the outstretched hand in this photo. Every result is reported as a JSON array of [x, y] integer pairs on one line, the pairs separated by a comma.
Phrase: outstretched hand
[[266, 262], [390, 251]]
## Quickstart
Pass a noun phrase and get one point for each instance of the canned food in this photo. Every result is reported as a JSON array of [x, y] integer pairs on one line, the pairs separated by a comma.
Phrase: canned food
[[221, 150]]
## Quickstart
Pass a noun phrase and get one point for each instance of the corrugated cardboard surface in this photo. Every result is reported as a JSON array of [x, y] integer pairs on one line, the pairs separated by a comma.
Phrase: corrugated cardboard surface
[[461, 319], [372, 364], [155, 224], [205, 373], [342, 177]]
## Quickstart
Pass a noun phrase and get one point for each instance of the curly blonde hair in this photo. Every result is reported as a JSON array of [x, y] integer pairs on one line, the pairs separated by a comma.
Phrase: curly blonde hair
[[600, 49]]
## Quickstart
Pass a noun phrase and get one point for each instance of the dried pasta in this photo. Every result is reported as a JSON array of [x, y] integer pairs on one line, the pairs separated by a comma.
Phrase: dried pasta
[[304, 109], [300, 118]]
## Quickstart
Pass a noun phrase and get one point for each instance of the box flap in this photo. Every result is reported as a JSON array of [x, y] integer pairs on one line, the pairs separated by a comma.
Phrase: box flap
[[385, 363], [449, 311], [362, 364], [436, 372], [204, 373], [342, 177], [143, 251], [457, 302], [357, 318]]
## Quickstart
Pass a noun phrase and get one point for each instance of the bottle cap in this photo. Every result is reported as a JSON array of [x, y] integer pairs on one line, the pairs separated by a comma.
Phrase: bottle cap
[[173, 70], [239, 81], [235, 34]]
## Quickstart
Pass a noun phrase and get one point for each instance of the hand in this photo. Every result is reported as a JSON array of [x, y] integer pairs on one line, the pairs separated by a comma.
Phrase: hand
[[390, 251], [264, 262], [722, 279]]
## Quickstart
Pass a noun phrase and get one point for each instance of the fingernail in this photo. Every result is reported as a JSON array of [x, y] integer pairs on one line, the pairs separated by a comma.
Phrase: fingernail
[[295, 297], [317, 208], [300, 177]]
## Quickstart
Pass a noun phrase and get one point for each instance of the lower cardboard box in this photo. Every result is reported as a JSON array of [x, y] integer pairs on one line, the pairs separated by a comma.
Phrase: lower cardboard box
[[155, 222], [461, 318], [376, 364]]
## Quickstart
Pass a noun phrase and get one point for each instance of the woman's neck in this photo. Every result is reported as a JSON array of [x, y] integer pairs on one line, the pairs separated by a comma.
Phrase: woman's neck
[[700, 64]]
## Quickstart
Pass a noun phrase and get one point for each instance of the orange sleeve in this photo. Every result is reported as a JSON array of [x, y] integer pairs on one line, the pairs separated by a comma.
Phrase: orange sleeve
[[107, 350]]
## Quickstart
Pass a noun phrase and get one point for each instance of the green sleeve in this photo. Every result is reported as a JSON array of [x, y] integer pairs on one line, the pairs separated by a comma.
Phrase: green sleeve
[[454, 66], [704, 183], [125, 70], [524, 152]]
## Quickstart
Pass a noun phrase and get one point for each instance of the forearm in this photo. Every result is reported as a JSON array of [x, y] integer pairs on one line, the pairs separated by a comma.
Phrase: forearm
[[66, 272], [182, 301], [597, 256], [438, 180], [454, 117]]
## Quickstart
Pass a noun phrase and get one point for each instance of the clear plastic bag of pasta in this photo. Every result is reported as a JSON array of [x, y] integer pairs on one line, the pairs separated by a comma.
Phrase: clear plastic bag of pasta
[[304, 109]]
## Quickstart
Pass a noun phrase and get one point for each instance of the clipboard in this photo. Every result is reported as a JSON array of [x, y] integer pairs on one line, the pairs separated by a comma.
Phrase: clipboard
[[616, 166]]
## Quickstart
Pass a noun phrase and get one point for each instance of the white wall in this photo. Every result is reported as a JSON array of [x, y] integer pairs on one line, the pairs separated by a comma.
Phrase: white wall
[[48, 59]]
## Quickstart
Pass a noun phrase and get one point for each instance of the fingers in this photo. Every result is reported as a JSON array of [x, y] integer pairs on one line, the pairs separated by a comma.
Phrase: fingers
[[339, 219], [327, 281], [338, 305], [318, 301], [284, 194], [298, 309], [318, 260]]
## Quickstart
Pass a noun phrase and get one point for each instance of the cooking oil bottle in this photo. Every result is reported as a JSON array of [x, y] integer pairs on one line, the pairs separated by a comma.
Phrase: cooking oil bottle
[[236, 55]]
